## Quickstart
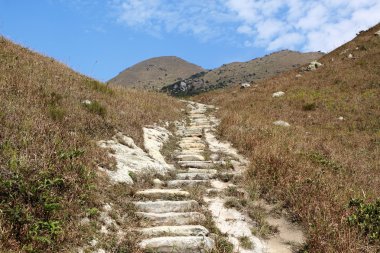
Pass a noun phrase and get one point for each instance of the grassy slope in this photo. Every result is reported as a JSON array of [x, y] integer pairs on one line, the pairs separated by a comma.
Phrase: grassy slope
[[318, 164], [48, 154]]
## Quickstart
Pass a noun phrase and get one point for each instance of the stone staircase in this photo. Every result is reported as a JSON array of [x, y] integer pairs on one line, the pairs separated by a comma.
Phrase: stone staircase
[[172, 220]]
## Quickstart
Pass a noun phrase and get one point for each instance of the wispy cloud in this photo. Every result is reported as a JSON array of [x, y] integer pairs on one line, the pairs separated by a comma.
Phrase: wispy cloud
[[302, 24], [270, 24], [205, 20]]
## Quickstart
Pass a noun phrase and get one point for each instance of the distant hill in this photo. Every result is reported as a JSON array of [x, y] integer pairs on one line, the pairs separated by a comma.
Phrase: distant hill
[[241, 72], [155, 73]]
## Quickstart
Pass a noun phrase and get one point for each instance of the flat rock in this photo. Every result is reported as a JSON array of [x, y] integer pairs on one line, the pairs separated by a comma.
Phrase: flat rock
[[192, 145], [190, 157], [181, 183], [130, 158], [184, 230], [172, 218], [195, 170], [195, 175], [178, 244], [281, 123], [163, 193], [196, 164], [166, 206], [278, 94]]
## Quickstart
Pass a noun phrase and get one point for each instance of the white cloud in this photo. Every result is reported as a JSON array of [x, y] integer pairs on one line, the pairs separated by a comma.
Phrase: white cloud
[[202, 19], [272, 24]]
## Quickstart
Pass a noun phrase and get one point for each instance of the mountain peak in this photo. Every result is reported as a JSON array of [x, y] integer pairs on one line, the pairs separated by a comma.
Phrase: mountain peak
[[154, 73]]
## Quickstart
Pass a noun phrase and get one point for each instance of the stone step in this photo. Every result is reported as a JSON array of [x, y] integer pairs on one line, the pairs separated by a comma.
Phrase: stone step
[[184, 230], [196, 170], [183, 183], [163, 193], [178, 244], [172, 218], [166, 206], [192, 145], [192, 134], [188, 152], [191, 139], [190, 157], [195, 175], [196, 164]]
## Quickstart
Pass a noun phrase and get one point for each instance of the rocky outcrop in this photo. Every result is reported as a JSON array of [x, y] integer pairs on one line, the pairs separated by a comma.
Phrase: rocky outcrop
[[314, 65], [132, 159]]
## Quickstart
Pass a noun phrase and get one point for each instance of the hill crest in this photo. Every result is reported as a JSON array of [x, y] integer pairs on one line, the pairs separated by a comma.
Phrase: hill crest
[[154, 73]]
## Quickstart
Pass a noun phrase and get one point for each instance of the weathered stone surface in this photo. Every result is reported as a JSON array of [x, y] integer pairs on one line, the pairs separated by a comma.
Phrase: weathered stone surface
[[166, 206], [281, 123], [314, 65], [172, 218], [181, 183], [224, 148], [232, 223], [157, 183], [196, 164], [178, 244], [278, 94], [162, 193], [195, 175], [184, 230], [190, 157], [192, 145], [245, 85], [195, 170], [130, 158], [154, 139]]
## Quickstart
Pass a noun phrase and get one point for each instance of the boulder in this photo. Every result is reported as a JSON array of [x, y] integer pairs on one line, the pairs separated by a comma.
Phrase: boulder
[[86, 102], [278, 94], [281, 123], [245, 85], [314, 65], [377, 33]]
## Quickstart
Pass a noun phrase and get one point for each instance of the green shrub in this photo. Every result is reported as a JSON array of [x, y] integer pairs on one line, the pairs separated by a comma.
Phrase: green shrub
[[366, 217], [99, 87], [56, 113], [309, 107], [95, 107]]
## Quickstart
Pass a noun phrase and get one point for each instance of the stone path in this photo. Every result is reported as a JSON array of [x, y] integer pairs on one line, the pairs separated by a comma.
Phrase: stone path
[[172, 220]]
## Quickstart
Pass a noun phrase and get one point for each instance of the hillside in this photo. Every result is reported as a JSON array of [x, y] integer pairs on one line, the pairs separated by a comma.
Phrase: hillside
[[324, 167], [50, 120], [155, 73], [241, 72]]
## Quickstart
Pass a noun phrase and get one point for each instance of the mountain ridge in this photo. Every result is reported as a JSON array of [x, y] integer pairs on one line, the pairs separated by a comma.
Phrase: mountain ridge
[[241, 72]]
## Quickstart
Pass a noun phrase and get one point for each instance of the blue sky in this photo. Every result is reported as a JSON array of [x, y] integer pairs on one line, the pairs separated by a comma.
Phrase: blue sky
[[100, 38]]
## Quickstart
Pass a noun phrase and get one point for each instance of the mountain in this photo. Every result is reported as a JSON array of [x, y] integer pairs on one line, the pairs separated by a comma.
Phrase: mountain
[[155, 73], [323, 166], [241, 72]]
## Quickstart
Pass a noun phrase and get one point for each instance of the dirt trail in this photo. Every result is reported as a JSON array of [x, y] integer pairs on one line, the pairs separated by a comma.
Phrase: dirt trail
[[177, 220]]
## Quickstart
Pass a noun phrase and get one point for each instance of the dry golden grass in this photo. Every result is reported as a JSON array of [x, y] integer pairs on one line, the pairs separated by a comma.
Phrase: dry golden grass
[[318, 164], [48, 151]]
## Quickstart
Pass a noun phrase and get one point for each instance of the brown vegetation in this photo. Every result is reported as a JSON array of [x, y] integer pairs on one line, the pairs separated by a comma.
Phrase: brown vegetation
[[48, 151], [320, 163]]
